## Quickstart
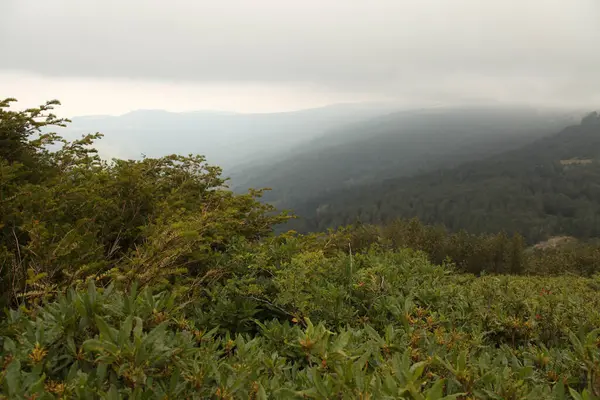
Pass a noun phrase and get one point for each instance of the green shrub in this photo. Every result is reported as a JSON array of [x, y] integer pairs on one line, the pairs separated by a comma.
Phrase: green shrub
[[412, 330], [148, 279]]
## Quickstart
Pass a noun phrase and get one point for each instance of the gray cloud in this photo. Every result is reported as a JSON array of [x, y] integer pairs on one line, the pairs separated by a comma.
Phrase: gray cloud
[[384, 46]]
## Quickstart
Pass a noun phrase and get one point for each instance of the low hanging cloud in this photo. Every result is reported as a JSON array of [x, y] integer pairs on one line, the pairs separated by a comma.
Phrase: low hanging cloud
[[546, 49]]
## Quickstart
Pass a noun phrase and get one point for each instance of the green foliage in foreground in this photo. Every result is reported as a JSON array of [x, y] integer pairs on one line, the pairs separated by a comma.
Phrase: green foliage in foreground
[[66, 215], [148, 279], [375, 325]]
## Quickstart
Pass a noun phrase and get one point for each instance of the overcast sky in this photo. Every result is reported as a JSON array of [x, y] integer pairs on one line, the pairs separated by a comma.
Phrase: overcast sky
[[111, 56]]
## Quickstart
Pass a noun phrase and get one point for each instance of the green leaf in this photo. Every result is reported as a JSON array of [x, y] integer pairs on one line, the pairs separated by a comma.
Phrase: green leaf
[[318, 382], [575, 395], [173, 381], [113, 393], [12, 378], [558, 391], [71, 345], [341, 342], [125, 331], [101, 370], [99, 346], [461, 364], [106, 331], [9, 346], [156, 333], [138, 330], [416, 370], [92, 293], [261, 394], [436, 391]]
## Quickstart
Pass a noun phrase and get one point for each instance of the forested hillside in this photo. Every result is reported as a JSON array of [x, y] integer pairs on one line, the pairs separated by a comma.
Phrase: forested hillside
[[149, 279], [549, 187], [396, 145]]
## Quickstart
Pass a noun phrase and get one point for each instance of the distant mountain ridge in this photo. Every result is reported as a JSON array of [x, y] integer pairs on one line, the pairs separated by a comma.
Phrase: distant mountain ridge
[[225, 138]]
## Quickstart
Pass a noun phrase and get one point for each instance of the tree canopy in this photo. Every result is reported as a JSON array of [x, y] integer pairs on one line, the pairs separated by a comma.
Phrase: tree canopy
[[67, 214], [547, 188]]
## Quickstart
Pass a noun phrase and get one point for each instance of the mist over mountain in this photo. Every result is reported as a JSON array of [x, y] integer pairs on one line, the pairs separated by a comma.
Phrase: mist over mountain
[[545, 188], [226, 139], [346, 162], [397, 144]]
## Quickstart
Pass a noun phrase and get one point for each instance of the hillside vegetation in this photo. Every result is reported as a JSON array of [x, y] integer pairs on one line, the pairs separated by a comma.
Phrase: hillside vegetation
[[395, 145], [149, 279], [531, 190]]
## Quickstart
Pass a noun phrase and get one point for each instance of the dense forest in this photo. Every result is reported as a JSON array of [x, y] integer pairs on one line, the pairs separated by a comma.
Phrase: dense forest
[[547, 188], [395, 145], [143, 279]]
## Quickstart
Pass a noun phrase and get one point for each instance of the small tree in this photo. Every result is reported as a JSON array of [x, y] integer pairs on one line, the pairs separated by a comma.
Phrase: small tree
[[67, 216]]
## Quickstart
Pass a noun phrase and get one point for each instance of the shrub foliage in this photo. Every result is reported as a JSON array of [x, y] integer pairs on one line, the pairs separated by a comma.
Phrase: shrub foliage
[[149, 279]]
